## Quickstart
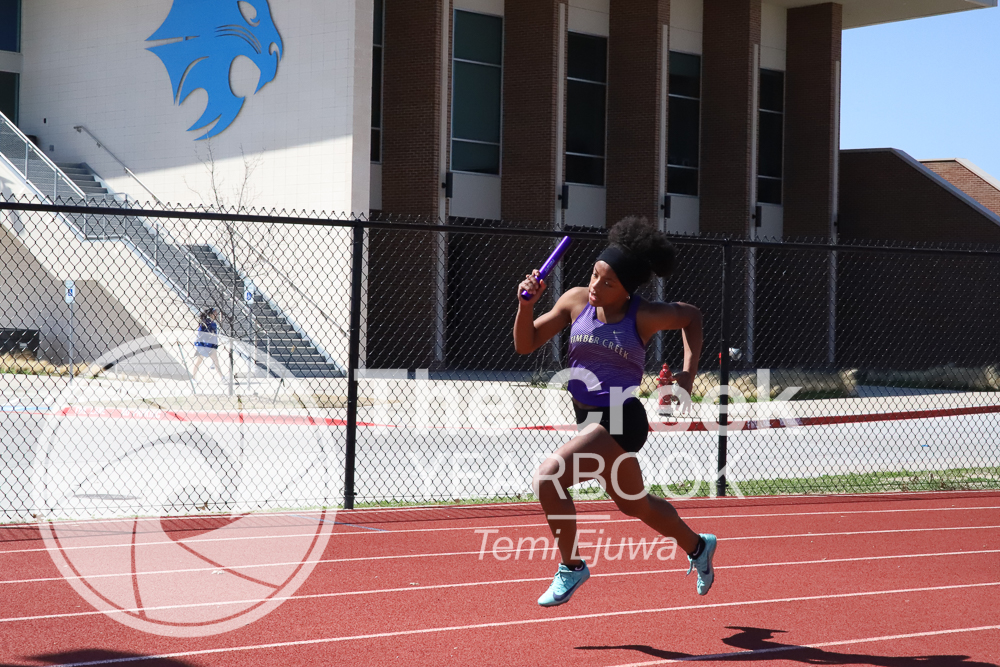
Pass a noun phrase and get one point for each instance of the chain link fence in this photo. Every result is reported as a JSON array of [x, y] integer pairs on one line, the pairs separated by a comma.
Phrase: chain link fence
[[357, 362]]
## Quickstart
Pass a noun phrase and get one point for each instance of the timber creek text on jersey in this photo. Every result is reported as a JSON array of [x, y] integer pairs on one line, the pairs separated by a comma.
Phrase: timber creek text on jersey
[[603, 342]]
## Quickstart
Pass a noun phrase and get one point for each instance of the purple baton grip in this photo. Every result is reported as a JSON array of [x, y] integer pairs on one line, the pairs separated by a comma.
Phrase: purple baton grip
[[550, 263]]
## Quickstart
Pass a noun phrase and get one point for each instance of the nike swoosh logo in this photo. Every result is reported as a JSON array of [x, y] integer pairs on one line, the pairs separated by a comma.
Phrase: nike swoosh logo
[[560, 598]]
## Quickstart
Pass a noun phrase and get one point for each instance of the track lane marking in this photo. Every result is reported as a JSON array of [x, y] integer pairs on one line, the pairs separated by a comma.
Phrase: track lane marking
[[739, 655], [315, 596], [529, 621], [535, 525], [581, 516], [841, 499]]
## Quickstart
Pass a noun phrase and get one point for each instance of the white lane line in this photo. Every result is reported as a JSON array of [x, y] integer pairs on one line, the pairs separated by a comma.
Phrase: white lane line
[[740, 655], [915, 496], [529, 621], [534, 525], [382, 591], [583, 519], [580, 512]]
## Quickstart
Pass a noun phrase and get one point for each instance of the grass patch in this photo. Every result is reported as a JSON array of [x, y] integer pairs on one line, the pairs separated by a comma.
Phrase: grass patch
[[952, 479], [26, 364]]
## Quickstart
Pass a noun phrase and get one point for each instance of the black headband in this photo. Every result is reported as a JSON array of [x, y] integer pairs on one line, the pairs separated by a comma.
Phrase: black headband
[[632, 270]]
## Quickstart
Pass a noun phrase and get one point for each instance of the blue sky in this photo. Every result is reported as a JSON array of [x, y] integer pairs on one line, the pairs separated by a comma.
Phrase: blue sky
[[930, 87]]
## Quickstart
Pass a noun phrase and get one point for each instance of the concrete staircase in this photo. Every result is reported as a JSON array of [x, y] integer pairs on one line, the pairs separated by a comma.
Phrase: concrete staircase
[[270, 329], [85, 179], [203, 279]]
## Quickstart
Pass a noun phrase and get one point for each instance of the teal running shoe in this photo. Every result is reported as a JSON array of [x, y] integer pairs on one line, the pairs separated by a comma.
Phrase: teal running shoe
[[703, 563], [565, 583]]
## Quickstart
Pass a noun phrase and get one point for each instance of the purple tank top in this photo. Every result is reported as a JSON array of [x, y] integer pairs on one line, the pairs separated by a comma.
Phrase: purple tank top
[[614, 353]]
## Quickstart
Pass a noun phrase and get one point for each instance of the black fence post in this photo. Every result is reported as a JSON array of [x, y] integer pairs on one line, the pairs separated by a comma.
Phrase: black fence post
[[353, 354], [727, 270]]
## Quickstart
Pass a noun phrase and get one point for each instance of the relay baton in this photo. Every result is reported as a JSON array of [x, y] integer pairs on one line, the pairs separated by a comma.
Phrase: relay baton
[[550, 263]]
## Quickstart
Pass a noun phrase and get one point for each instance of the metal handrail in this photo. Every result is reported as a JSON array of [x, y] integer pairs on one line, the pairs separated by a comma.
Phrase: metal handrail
[[31, 186], [160, 233], [100, 144], [28, 145]]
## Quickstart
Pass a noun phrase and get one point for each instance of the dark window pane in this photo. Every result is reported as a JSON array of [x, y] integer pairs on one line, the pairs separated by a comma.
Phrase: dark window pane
[[479, 158], [588, 57], [8, 95], [682, 181], [10, 25], [685, 74], [478, 37], [476, 102], [768, 190], [769, 144], [377, 87], [377, 27], [585, 111], [585, 170], [376, 145], [682, 132], [772, 90]]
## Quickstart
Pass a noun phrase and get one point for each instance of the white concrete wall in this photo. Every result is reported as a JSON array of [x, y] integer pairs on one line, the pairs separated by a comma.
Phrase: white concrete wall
[[771, 223], [88, 64], [773, 29], [494, 7], [686, 25], [120, 296], [684, 212], [590, 16], [475, 196], [11, 62], [587, 206]]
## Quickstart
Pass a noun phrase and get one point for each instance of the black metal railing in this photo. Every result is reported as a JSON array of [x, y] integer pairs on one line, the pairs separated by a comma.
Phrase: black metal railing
[[846, 368]]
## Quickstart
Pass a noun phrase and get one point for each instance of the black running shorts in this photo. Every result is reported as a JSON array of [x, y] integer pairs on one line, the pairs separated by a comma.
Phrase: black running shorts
[[635, 426]]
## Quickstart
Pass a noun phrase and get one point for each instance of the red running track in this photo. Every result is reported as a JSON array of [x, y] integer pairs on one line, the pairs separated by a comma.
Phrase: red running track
[[891, 580]]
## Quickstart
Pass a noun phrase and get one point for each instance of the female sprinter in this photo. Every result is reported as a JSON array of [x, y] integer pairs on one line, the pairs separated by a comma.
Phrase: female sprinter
[[611, 326]]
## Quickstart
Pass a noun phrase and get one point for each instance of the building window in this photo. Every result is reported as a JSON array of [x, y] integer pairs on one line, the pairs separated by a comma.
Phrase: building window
[[770, 136], [8, 95], [377, 81], [10, 25], [683, 125], [586, 108], [475, 92]]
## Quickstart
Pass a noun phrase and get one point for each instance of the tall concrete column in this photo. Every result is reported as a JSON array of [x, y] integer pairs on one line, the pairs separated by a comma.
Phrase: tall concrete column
[[812, 119], [637, 93], [730, 64]]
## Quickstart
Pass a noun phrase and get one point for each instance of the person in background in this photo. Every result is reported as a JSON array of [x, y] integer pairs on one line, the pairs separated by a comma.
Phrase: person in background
[[207, 341]]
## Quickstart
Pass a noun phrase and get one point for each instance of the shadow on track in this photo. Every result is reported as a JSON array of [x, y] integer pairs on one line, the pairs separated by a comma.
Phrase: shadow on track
[[759, 647], [99, 656]]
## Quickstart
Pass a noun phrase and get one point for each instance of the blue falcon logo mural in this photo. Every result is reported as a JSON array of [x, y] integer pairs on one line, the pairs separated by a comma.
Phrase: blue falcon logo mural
[[210, 35]]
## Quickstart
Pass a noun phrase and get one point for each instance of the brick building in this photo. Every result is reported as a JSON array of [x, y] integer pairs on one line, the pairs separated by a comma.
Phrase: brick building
[[709, 116], [712, 116]]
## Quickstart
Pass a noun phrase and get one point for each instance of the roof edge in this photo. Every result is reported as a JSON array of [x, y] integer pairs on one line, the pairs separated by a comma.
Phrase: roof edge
[[975, 169], [940, 181]]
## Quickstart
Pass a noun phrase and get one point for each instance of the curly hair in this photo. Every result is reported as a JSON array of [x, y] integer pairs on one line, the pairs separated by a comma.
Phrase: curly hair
[[640, 237]]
